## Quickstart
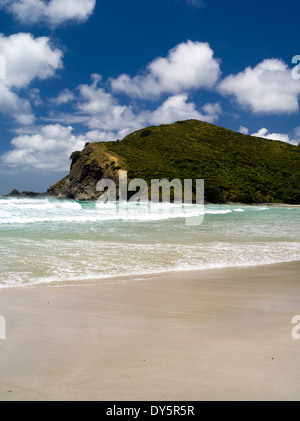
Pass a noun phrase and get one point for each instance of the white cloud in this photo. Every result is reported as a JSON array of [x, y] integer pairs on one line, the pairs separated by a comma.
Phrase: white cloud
[[266, 88], [27, 58], [212, 112], [48, 149], [104, 112], [64, 97], [189, 65], [100, 136], [177, 108], [34, 96], [297, 133], [265, 134], [53, 12], [14, 106], [243, 130]]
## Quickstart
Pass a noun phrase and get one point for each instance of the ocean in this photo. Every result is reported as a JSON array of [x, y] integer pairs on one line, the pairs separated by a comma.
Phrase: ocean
[[45, 240]]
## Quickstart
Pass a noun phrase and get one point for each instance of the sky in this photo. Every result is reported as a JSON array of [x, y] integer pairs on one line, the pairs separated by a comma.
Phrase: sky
[[77, 71]]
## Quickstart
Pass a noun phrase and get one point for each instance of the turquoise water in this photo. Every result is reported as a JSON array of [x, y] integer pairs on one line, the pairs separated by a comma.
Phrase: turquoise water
[[44, 240]]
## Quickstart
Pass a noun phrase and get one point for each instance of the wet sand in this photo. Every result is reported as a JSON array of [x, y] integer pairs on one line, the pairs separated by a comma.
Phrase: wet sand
[[210, 335]]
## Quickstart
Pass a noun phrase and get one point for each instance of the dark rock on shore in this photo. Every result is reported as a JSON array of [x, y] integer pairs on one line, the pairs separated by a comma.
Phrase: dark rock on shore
[[16, 193]]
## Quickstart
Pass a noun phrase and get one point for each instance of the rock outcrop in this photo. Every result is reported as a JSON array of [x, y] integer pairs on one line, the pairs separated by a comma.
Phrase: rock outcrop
[[16, 193], [87, 168]]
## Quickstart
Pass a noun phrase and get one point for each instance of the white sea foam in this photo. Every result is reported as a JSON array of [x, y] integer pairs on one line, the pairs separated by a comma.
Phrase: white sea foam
[[47, 240], [218, 212], [26, 279], [26, 211]]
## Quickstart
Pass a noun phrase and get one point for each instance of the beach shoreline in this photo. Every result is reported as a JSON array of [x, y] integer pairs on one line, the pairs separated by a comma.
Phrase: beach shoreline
[[217, 334]]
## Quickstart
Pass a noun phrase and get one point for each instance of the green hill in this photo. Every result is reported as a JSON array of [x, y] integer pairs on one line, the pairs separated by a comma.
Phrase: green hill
[[235, 167]]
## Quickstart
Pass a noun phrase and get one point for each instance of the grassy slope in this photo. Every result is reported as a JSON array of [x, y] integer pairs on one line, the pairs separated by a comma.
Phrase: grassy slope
[[235, 167]]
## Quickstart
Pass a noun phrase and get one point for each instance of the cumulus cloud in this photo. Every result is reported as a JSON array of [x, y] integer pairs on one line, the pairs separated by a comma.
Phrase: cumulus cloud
[[53, 12], [243, 130], [297, 133], [211, 112], [11, 104], [27, 58], [266, 88], [103, 111], [265, 134], [48, 149], [34, 96], [189, 65], [100, 136], [64, 97], [177, 108]]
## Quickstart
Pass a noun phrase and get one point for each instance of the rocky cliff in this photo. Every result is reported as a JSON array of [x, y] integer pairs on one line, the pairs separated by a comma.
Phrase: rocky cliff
[[87, 168]]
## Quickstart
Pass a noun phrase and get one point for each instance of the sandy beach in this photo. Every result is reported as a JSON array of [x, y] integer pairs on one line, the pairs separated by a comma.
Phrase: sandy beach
[[210, 335]]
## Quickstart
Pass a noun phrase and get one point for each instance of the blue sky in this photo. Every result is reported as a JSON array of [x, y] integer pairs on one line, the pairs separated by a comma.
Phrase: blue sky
[[86, 70]]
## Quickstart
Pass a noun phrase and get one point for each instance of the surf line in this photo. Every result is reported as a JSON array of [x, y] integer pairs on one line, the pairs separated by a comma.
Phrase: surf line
[[137, 191]]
